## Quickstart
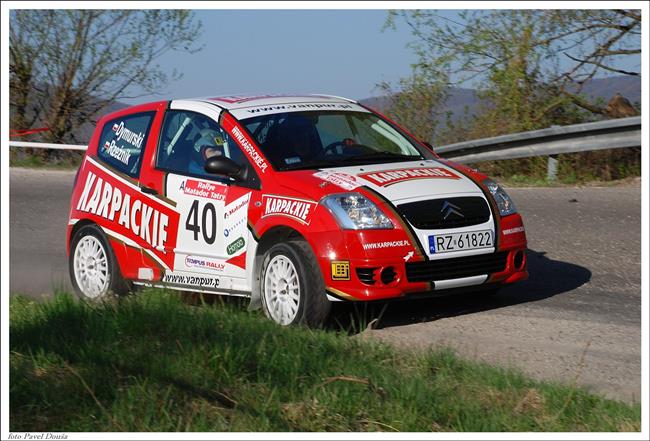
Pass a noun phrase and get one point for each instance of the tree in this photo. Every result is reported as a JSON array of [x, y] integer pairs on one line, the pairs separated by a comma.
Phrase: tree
[[68, 65], [529, 66], [416, 104]]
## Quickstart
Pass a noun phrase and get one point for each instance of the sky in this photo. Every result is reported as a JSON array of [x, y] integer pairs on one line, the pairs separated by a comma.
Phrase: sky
[[338, 52]]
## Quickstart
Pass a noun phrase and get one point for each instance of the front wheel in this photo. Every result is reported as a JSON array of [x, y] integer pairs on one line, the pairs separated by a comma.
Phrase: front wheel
[[292, 286], [93, 269]]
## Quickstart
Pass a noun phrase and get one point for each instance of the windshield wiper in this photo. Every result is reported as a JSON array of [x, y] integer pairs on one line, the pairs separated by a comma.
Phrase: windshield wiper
[[382, 156], [313, 165]]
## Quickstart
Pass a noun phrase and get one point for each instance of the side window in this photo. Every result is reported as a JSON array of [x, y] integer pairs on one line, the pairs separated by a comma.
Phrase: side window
[[188, 139], [122, 142]]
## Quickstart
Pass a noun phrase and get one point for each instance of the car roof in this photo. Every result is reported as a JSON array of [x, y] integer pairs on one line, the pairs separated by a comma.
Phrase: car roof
[[239, 101]]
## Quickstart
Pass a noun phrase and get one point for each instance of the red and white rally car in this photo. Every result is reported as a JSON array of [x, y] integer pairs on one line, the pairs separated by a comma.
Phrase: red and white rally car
[[293, 201]]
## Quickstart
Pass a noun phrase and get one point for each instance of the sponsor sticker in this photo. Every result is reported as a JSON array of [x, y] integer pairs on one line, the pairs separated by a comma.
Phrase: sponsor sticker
[[299, 106], [340, 270], [198, 281], [235, 246], [269, 109], [248, 148], [390, 244], [390, 177], [204, 189], [233, 227], [343, 180], [513, 230], [236, 206], [298, 209], [102, 199], [205, 263]]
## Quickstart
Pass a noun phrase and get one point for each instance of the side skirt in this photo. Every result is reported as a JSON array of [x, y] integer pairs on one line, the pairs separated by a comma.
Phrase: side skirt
[[193, 289]]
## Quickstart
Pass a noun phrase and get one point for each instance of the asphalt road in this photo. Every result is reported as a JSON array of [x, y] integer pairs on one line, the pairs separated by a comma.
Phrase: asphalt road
[[577, 319]]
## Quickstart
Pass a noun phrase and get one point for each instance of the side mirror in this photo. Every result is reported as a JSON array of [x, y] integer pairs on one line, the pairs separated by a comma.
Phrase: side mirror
[[428, 144], [221, 165]]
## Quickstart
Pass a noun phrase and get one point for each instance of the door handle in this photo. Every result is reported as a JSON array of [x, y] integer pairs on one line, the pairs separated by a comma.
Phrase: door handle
[[148, 190]]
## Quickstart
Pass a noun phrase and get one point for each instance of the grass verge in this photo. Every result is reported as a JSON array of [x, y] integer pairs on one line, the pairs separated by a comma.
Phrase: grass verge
[[153, 363], [45, 159]]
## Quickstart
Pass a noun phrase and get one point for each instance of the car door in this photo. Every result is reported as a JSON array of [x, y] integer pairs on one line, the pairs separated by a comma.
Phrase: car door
[[211, 246]]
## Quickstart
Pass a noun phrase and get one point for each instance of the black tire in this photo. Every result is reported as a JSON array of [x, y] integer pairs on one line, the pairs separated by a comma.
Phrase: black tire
[[115, 284], [313, 305]]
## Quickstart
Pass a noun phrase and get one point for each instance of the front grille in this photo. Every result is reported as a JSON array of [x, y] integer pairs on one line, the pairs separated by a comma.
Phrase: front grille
[[366, 275], [455, 268], [436, 214]]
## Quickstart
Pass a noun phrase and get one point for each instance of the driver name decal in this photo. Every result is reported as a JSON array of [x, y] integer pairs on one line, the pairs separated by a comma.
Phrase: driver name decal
[[117, 152], [123, 133], [390, 177]]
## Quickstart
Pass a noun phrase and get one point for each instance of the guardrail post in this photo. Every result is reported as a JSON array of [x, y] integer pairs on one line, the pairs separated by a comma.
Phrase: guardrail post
[[551, 168]]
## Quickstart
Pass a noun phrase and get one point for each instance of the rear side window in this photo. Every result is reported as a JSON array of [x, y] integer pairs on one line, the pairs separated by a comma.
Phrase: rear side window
[[122, 142]]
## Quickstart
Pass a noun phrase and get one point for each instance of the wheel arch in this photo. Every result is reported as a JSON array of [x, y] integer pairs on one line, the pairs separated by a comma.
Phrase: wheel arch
[[118, 284], [275, 234], [73, 230], [78, 226], [117, 247]]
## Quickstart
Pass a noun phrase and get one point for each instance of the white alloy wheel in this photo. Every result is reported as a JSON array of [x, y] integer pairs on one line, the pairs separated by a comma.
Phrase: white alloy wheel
[[281, 289], [91, 267]]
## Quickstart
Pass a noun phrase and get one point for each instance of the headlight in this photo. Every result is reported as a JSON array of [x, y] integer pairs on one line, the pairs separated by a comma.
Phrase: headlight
[[505, 204], [355, 212]]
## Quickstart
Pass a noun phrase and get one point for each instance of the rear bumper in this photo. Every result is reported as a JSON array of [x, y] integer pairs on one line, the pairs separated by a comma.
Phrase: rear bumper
[[379, 279]]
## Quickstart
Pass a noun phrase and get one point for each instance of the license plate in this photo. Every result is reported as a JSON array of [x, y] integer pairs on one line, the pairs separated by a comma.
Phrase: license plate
[[470, 240]]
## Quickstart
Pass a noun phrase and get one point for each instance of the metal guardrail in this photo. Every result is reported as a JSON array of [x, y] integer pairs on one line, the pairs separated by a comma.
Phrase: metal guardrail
[[601, 135], [610, 134], [44, 145]]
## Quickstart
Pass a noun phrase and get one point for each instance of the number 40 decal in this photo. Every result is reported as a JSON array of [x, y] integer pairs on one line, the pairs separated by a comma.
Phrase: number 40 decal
[[208, 225]]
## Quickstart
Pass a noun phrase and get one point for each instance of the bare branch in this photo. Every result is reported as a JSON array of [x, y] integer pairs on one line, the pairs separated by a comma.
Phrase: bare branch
[[602, 66], [628, 13], [88, 57]]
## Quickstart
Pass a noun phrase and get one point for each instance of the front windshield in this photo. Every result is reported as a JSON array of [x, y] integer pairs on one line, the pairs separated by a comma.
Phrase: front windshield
[[305, 140]]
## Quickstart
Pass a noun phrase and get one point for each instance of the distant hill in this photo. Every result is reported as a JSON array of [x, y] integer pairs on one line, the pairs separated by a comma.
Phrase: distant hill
[[459, 98], [628, 86], [82, 134]]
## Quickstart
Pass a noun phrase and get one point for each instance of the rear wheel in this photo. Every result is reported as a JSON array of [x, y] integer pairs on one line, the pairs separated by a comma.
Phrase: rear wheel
[[94, 271], [292, 286]]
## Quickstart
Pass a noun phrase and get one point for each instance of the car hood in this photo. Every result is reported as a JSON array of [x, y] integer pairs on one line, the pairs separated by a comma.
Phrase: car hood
[[396, 181]]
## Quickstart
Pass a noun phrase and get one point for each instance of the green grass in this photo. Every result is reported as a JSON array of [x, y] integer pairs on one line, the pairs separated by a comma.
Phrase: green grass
[[67, 160], [153, 363]]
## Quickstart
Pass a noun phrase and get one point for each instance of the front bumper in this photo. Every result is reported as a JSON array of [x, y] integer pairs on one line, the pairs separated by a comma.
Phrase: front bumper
[[393, 273], [377, 279]]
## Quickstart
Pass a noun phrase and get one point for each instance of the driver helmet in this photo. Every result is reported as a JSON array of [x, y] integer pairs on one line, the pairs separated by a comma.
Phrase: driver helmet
[[209, 139]]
